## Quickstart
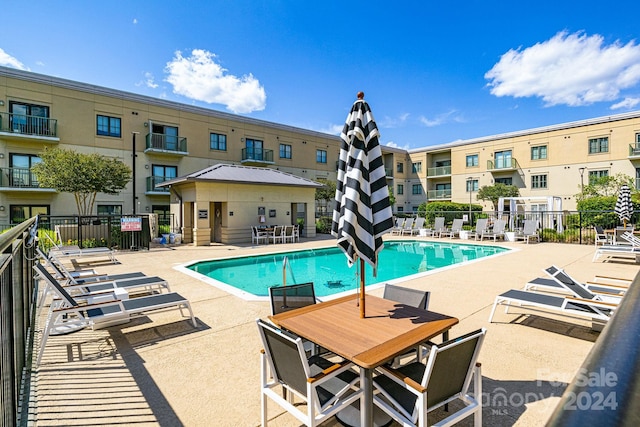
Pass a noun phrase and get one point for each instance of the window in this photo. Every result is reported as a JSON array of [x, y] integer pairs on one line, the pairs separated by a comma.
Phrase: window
[[164, 137], [162, 173], [20, 170], [20, 213], [637, 178], [472, 185], [416, 167], [539, 152], [503, 159], [400, 167], [599, 145], [321, 156], [539, 181], [285, 151], [108, 126], [164, 214], [505, 181], [217, 141], [472, 161], [28, 118], [416, 189], [254, 149], [400, 209], [595, 175], [109, 209], [400, 190]]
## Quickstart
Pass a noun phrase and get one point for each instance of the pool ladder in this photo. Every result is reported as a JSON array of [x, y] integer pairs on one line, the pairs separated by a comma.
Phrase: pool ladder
[[285, 264]]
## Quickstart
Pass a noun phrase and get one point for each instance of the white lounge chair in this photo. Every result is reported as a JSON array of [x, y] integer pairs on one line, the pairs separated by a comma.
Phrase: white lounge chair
[[397, 229], [418, 225], [455, 229], [75, 252], [439, 227], [100, 310], [481, 226], [617, 251], [496, 231], [529, 231], [407, 228], [561, 281]]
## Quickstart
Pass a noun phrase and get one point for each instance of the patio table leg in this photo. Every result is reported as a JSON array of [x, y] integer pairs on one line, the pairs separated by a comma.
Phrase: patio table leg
[[366, 408]]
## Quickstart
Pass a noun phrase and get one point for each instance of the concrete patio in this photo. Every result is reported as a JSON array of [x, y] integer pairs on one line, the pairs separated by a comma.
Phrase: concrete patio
[[160, 370]]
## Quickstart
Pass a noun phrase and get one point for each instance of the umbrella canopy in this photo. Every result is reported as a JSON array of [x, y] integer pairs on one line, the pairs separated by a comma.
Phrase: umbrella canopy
[[624, 207], [363, 212]]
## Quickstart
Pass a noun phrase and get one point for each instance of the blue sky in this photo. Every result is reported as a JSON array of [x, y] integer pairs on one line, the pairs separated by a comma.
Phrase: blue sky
[[432, 72]]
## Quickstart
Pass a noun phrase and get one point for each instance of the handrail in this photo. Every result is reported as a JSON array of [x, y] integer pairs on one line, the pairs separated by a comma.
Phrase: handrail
[[606, 389], [285, 263]]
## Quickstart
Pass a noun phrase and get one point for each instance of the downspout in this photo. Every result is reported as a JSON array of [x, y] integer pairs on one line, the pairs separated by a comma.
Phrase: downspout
[[180, 218]]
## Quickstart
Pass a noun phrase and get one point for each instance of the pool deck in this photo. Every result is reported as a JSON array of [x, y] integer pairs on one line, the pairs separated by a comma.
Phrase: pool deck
[[161, 371]]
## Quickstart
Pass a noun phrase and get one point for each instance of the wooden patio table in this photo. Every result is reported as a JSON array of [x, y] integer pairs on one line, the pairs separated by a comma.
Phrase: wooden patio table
[[388, 330]]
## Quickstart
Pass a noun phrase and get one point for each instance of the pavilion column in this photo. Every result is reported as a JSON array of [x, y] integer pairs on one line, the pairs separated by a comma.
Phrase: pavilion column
[[202, 224]]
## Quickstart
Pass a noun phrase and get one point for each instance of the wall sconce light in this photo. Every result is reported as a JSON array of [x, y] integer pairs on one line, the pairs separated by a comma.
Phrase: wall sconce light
[[1, 155], [146, 166], [1, 103], [146, 208], [146, 124], [2, 208]]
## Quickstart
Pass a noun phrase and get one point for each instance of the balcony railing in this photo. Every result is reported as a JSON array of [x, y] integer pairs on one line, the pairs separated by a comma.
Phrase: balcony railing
[[438, 194], [438, 171], [152, 181], [257, 155], [160, 142], [18, 178], [28, 125], [388, 172], [634, 150], [504, 164]]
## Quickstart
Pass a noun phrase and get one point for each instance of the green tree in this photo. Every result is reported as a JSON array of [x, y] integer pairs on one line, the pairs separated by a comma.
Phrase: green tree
[[327, 191], [492, 193], [607, 186], [84, 175]]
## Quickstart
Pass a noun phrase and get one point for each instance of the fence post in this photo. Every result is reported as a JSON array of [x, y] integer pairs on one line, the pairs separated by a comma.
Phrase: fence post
[[580, 222]]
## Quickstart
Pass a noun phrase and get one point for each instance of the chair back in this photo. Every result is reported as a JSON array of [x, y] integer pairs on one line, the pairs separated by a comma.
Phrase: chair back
[[288, 230], [438, 224], [289, 297], [419, 223], [44, 274], [408, 223], [450, 366], [498, 226], [530, 227], [481, 225], [569, 283], [457, 224], [286, 357], [408, 296]]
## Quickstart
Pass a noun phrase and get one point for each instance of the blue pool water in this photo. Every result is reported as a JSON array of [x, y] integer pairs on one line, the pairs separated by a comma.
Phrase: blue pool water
[[327, 268]]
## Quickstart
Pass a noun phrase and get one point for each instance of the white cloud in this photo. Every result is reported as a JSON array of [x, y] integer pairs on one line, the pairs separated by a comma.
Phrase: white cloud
[[395, 145], [393, 122], [571, 69], [7, 60], [150, 81], [627, 103], [135, 21], [200, 78], [449, 116]]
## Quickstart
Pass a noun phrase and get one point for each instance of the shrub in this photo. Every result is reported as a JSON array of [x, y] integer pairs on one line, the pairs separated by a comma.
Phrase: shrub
[[323, 225]]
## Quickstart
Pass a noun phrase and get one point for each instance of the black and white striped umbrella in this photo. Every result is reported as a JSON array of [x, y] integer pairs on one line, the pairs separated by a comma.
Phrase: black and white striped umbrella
[[363, 212], [624, 206]]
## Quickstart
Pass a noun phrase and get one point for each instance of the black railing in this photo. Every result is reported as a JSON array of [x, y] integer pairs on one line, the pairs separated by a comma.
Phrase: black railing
[[18, 178], [606, 389], [18, 295], [257, 154], [28, 125], [166, 143]]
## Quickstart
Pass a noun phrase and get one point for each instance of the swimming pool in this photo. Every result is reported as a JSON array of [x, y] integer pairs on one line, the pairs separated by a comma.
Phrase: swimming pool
[[251, 276]]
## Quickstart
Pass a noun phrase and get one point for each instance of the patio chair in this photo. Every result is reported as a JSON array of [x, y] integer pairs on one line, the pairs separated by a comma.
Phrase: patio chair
[[561, 281], [62, 252], [630, 238], [496, 231], [529, 231], [410, 392], [563, 305], [69, 314], [409, 297], [455, 229], [296, 233], [290, 297], [258, 235], [438, 227], [397, 228], [481, 225], [601, 237], [617, 251], [326, 387], [418, 225], [288, 236], [277, 236], [407, 228]]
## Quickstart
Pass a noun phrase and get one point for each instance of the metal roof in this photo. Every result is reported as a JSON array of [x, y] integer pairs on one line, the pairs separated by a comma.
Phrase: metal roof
[[226, 173]]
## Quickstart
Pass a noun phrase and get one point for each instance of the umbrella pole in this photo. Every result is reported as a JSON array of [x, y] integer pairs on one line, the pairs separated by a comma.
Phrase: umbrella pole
[[362, 311]]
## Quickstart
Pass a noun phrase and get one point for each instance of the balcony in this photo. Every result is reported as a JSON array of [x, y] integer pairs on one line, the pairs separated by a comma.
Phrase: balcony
[[438, 171], [439, 194], [634, 151], [20, 179], [160, 143], [388, 172], [257, 157], [24, 128], [506, 165], [152, 181]]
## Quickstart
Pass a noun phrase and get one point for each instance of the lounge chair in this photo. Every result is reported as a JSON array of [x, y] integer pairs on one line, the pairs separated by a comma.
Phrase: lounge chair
[[410, 392], [397, 229], [75, 252], [438, 227], [455, 229], [326, 387], [407, 228], [481, 226], [529, 231], [630, 238], [496, 231], [418, 225], [564, 305], [68, 314], [561, 281], [617, 251]]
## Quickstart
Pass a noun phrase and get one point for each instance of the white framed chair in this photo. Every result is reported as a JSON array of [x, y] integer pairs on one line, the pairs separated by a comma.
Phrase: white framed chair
[[258, 235], [408, 393], [601, 237], [277, 236], [326, 387]]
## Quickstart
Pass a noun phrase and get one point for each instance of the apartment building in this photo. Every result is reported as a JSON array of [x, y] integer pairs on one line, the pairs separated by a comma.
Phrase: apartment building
[[162, 140]]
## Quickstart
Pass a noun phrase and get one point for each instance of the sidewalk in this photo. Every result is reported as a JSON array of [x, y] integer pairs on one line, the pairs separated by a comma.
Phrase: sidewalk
[[159, 370]]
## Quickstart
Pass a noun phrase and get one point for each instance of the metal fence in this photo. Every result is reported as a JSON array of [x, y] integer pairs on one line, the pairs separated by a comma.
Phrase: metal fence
[[18, 295]]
